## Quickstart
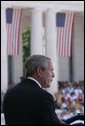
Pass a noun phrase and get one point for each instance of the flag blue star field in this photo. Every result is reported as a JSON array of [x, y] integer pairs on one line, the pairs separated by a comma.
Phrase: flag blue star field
[[64, 25], [13, 20]]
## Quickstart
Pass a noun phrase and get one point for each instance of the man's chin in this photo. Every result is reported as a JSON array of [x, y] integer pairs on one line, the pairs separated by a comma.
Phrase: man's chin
[[48, 86]]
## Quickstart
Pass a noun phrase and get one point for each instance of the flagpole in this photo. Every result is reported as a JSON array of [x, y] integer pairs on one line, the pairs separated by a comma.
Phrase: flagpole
[[71, 58]]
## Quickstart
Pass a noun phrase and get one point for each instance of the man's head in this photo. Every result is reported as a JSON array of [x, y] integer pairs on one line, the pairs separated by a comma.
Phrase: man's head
[[40, 67]]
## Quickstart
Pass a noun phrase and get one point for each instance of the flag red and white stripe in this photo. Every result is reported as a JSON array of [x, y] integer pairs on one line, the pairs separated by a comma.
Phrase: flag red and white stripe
[[64, 36], [13, 32]]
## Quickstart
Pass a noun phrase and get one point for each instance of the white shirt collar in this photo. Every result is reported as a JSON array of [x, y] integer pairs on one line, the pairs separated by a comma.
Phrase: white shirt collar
[[31, 78]]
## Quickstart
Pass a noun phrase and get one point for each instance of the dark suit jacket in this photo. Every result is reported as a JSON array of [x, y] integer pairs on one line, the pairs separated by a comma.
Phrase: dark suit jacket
[[28, 104]]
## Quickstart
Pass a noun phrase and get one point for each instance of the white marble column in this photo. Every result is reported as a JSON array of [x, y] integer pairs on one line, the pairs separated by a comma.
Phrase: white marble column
[[36, 32], [17, 64], [50, 29], [4, 60]]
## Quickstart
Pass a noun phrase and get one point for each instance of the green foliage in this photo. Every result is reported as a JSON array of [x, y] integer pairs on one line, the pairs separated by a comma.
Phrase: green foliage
[[26, 43]]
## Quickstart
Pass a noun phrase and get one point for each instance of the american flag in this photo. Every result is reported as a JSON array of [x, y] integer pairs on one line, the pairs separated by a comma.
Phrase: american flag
[[13, 20], [64, 24]]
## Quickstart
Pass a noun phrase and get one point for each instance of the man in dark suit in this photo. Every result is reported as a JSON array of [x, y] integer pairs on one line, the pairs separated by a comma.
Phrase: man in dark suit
[[27, 103]]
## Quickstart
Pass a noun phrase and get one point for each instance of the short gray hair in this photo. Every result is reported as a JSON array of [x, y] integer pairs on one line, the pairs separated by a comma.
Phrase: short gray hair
[[33, 62]]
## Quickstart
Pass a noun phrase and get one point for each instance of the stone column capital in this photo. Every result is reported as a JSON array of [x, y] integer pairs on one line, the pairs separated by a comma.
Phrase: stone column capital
[[38, 9]]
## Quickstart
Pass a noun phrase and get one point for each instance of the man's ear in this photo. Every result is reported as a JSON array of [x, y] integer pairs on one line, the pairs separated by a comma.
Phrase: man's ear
[[39, 71]]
